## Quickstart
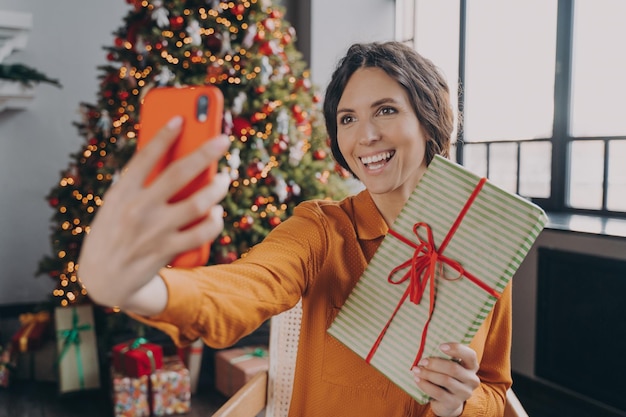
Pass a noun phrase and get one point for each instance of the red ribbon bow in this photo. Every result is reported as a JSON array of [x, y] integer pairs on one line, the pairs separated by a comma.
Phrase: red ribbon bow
[[422, 267]]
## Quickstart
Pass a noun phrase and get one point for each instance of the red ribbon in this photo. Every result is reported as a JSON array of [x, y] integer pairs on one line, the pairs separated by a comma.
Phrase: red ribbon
[[426, 257]]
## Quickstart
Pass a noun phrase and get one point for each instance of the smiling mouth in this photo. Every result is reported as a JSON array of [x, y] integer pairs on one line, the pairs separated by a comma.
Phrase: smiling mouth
[[377, 161]]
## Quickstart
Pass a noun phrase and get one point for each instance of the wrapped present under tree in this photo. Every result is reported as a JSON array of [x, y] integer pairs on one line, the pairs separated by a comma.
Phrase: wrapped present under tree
[[32, 331], [78, 362], [446, 259], [137, 357], [236, 366]]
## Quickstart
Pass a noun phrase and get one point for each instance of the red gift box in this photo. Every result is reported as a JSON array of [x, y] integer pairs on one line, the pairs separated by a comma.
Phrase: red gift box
[[137, 357], [32, 331]]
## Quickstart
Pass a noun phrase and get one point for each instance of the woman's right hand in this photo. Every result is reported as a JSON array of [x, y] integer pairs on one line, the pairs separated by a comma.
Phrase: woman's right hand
[[136, 231]]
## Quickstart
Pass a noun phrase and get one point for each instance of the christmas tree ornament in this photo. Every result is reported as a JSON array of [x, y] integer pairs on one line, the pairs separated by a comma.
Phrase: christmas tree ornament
[[160, 14], [195, 32]]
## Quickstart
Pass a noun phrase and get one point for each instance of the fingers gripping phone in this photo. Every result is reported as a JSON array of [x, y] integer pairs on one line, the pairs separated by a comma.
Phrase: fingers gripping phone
[[202, 110]]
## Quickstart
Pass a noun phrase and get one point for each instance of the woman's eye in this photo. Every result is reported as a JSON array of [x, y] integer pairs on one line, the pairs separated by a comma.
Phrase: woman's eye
[[346, 119], [387, 110]]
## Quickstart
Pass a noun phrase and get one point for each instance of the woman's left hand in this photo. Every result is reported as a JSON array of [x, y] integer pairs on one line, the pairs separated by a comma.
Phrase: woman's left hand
[[448, 382]]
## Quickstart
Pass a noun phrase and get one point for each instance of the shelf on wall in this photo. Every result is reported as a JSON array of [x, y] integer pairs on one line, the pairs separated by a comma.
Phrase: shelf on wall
[[14, 95], [14, 30]]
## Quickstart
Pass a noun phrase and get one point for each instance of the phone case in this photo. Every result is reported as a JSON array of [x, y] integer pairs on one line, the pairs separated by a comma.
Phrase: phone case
[[202, 110]]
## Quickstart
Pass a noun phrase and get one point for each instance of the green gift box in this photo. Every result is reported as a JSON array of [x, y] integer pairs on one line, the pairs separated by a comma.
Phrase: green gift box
[[441, 268], [78, 364]]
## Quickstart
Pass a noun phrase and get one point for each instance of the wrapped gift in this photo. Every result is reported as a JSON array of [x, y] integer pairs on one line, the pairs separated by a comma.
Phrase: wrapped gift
[[170, 388], [234, 367], [192, 358], [137, 357], [130, 395], [78, 365], [6, 366], [33, 327], [39, 364], [438, 273]]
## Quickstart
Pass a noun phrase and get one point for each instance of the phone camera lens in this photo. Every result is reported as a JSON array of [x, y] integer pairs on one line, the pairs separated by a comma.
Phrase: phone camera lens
[[202, 108]]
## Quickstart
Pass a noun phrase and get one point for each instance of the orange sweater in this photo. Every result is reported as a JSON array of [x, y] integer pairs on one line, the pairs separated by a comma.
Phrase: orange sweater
[[319, 254]]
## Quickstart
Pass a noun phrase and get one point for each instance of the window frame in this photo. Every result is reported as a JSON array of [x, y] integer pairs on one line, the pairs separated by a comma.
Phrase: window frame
[[561, 137]]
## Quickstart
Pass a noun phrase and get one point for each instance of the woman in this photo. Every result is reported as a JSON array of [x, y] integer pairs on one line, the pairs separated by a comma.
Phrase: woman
[[387, 113]]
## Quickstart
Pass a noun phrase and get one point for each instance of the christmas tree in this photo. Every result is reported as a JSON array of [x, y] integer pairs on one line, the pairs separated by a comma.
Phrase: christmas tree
[[279, 154]]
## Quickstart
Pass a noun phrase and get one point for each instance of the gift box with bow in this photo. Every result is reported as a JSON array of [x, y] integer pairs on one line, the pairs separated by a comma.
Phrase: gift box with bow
[[137, 357], [165, 392], [234, 367], [439, 271], [32, 331], [78, 363]]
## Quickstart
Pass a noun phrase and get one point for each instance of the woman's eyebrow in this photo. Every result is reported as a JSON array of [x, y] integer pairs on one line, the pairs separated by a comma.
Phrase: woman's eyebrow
[[385, 100]]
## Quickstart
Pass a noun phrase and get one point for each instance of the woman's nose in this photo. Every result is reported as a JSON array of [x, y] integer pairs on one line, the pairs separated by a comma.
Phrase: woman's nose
[[368, 133]]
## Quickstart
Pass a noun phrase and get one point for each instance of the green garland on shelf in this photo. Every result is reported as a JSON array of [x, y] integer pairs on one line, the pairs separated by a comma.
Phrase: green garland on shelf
[[26, 75]]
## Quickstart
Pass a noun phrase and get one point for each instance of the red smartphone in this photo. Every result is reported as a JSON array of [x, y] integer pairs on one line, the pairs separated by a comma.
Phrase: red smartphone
[[202, 108]]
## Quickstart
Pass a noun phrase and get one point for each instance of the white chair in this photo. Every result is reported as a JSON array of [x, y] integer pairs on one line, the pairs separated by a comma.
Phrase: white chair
[[269, 393]]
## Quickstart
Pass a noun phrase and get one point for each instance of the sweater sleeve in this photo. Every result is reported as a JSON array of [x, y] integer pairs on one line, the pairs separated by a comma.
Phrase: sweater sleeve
[[495, 360], [223, 303]]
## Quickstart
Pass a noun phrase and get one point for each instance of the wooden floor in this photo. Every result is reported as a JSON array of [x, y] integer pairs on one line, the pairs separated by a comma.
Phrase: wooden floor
[[41, 399]]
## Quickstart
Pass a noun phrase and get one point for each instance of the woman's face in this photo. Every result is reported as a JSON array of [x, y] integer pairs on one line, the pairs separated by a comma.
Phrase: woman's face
[[379, 135]]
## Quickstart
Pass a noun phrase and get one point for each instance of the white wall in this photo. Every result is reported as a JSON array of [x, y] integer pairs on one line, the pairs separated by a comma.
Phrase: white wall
[[335, 25], [66, 43]]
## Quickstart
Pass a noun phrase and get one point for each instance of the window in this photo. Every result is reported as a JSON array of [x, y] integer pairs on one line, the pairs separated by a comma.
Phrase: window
[[544, 113]]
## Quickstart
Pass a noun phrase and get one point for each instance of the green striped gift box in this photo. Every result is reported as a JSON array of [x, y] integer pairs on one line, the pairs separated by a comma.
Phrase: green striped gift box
[[486, 230]]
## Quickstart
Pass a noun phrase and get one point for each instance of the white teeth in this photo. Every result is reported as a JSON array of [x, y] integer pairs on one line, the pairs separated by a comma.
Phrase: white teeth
[[376, 158]]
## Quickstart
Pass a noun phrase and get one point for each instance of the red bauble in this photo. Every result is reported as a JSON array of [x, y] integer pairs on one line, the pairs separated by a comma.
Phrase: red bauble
[[93, 141], [238, 9], [298, 113], [254, 169], [177, 22], [246, 222], [274, 221], [118, 42], [260, 89], [225, 240], [319, 154], [123, 95], [241, 126], [53, 201], [266, 49], [260, 36], [111, 56], [279, 147]]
